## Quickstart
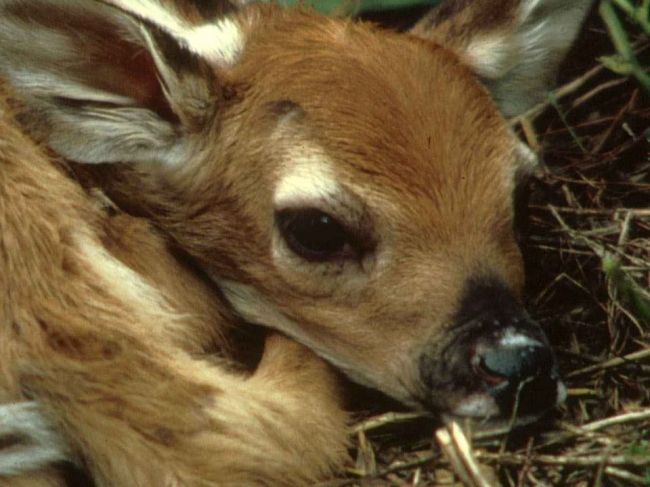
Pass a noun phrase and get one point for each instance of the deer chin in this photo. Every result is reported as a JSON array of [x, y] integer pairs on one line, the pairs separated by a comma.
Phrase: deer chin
[[481, 406], [484, 411], [252, 306]]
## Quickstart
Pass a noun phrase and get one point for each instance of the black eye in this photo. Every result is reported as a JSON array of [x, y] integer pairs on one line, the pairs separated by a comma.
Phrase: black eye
[[315, 235]]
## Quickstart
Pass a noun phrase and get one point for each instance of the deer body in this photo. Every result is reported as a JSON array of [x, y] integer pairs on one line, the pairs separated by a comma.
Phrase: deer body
[[100, 317], [346, 186]]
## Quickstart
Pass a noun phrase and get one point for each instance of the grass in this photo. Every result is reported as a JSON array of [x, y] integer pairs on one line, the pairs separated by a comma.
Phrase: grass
[[587, 250], [626, 61]]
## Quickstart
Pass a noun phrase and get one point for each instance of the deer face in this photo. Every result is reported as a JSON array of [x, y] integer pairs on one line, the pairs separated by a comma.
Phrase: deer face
[[347, 186]]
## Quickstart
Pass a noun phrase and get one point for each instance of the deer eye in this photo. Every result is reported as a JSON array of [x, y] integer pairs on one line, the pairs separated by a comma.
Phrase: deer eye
[[315, 236]]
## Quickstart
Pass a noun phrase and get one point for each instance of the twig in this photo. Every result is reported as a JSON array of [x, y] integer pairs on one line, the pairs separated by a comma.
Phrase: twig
[[456, 448], [597, 90], [566, 460], [624, 475], [561, 92], [619, 117], [384, 419], [615, 420], [614, 362], [397, 466]]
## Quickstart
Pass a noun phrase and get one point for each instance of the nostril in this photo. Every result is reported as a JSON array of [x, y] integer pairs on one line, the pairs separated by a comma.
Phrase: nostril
[[512, 363], [483, 370], [518, 374]]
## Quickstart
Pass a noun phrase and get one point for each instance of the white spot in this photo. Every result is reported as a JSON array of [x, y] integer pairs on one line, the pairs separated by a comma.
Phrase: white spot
[[492, 55], [220, 42], [38, 445], [308, 178], [527, 159], [123, 282], [477, 406], [514, 339]]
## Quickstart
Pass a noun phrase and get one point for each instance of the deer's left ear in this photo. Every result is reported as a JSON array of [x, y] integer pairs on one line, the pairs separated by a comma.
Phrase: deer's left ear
[[115, 80], [514, 46]]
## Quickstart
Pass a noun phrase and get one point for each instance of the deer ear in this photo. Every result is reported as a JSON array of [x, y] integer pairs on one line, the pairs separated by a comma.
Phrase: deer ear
[[514, 46], [121, 81]]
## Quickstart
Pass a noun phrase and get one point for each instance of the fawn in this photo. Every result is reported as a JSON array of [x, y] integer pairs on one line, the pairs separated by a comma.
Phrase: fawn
[[346, 186]]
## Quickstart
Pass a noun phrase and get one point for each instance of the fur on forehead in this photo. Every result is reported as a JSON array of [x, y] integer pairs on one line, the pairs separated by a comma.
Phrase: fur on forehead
[[416, 125]]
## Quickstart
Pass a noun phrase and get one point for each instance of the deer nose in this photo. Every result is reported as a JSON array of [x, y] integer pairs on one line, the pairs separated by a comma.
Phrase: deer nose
[[518, 371], [513, 363]]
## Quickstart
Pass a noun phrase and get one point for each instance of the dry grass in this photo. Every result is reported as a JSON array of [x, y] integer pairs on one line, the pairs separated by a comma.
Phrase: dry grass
[[587, 245]]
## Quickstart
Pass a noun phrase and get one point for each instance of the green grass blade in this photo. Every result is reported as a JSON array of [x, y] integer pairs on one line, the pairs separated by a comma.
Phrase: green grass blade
[[622, 43], [628, 290]]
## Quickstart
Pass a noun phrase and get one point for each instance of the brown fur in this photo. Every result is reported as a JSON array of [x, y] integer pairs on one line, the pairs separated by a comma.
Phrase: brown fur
[[454, 216], [111, 332], [123, 369]]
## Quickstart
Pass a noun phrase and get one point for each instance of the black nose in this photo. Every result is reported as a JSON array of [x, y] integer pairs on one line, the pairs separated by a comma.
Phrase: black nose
[[514, 363], [521, 378], [509, 353]]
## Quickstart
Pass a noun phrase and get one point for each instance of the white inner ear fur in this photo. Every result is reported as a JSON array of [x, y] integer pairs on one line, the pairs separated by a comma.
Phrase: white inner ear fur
[[220, 42], [48, 64], [492, 54], [519, 61], [114, 135], [542, 27], [306, 177]]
